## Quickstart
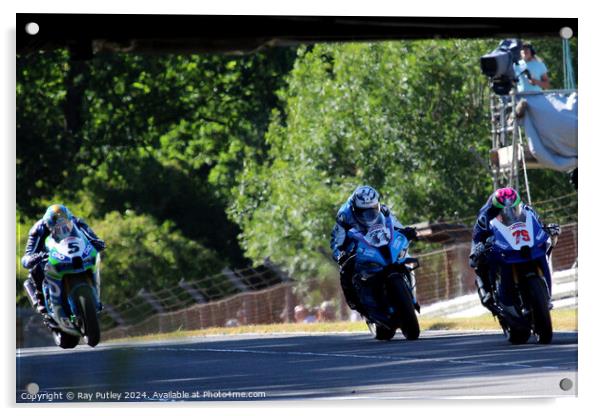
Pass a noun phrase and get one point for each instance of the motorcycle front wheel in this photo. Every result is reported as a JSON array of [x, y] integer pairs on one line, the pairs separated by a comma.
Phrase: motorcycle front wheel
[[516, 336], [90, 327], [408, 321], [539, 300]]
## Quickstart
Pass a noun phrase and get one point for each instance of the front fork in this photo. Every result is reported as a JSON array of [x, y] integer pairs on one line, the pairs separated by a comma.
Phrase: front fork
[[509, 288], [412, 277], [412, 282]]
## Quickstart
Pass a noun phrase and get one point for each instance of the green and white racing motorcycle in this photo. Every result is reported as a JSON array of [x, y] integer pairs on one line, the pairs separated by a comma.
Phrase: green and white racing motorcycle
[[72, 290]]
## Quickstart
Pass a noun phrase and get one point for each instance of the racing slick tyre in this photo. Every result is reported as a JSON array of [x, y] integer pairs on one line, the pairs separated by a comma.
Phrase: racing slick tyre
[[408, 321], [540, 299], [63, 340], [516, 335], [90, 327], [380, 332]]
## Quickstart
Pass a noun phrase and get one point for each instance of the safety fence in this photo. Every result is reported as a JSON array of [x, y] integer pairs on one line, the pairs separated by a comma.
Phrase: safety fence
[[208, 293], [266, 306], [444, 274]]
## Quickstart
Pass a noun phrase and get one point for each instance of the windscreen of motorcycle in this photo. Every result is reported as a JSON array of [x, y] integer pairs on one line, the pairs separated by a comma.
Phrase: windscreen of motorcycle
[[517, 232], [378, 235], [511, 215]]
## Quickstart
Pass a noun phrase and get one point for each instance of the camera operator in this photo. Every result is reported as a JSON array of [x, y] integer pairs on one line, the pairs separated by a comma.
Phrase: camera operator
[[531, 71]]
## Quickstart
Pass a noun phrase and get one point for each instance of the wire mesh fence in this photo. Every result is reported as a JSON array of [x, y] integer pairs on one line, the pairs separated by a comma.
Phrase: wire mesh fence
[[187, 293], [445, 274], [266, 306]]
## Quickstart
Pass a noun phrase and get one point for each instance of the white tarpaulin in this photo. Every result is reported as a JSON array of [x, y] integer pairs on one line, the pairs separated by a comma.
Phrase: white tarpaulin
[[551, 127]]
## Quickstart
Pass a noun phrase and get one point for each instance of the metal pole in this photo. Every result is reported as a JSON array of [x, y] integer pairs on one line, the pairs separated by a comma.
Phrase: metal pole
[[566, 81], [522, 150], [495, 126], [514, 165]]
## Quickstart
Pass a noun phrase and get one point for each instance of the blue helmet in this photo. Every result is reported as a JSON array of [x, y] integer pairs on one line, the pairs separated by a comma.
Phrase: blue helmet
[[365, 205], [59, 221]]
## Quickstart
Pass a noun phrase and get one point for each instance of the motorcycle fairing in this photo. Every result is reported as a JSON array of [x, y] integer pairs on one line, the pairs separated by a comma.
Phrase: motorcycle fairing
[[72, 255], [372, 257]]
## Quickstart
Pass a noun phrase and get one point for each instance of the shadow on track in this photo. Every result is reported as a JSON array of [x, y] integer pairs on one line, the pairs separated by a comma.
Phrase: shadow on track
[[307, 366]]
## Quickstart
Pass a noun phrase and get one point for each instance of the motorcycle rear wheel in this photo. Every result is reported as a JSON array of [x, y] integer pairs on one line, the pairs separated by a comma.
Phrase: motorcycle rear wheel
[[64, 340], [380, 332]]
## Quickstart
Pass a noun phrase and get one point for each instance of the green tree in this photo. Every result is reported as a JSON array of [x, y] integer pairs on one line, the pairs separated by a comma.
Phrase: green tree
[[142, 253], [159, 135], [100, 129], [401, 116]]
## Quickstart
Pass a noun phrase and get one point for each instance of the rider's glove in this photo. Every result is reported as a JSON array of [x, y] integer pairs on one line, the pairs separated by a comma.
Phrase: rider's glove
[[553, 229], [477, 255], [342, 257], [410, 233], [489, 242], [99, 245], [37, 258]]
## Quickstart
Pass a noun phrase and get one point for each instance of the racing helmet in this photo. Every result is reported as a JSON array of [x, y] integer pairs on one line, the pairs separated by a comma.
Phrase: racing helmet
[[59, 221], [365, 205], [510, 204], [504, 197]]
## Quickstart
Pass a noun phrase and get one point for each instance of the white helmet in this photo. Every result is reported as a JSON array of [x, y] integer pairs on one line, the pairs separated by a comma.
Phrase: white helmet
[[365, 205]]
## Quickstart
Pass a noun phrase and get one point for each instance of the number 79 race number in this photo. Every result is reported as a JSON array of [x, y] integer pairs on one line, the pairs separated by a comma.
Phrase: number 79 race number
[[521, 235]]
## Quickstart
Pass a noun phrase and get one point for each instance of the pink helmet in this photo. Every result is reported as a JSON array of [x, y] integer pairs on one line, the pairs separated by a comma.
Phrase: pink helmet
[[504, 197]]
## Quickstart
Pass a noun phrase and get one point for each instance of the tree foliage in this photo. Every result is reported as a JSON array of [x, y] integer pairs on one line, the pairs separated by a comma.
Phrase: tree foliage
[[404, 117], [184, 122], [145, 254], [159, 135], [230, 159]]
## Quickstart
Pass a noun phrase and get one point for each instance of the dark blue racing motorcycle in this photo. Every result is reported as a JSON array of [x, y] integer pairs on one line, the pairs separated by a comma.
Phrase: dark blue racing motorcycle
[[517, 255], [384, 280]]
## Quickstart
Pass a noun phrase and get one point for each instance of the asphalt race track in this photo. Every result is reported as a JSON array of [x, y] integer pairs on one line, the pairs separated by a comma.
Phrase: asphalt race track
[[301, 366]]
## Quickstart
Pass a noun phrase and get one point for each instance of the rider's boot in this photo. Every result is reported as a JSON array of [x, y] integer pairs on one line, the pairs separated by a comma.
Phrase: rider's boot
[[485, 291], [350, 292], [372, 308]]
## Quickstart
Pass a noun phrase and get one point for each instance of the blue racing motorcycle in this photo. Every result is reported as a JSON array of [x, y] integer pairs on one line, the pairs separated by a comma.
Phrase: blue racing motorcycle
[[517, 255], [384, 280]]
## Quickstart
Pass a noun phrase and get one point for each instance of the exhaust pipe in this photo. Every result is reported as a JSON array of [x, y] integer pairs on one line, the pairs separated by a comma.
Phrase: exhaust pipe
[[30, 289]]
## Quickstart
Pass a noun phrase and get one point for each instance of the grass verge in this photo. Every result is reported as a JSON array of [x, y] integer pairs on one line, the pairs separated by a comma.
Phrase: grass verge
[[563, 320]]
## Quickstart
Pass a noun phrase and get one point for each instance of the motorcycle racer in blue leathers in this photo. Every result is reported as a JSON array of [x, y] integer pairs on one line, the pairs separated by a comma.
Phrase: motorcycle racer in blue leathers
[[58, 221], [361, 210], [482, 231]]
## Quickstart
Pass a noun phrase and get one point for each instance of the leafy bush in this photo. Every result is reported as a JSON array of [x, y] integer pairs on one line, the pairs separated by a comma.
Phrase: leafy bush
[[144, 254]]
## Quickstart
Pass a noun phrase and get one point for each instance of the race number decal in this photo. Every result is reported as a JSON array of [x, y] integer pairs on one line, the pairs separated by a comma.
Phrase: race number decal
[[521, 235], [515, 235], [73, 247], [378, 236]]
